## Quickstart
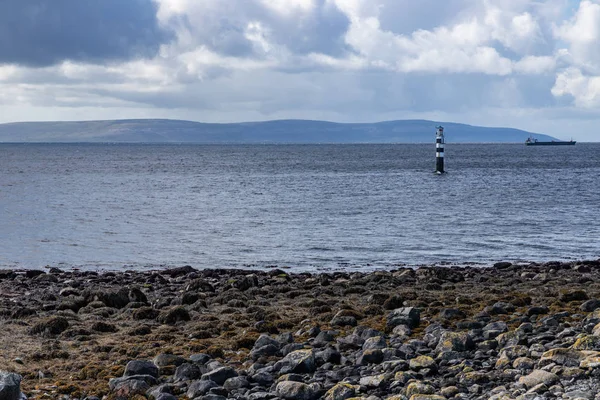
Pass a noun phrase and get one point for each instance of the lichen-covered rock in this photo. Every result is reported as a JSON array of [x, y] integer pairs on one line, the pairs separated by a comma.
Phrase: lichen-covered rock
[[561, 356], [587, 343], [422, 362], [419, 388], [290, 390], [455, 341]]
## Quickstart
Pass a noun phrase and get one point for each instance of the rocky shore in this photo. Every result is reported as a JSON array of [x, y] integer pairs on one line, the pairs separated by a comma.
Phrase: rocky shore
[[523, 331]]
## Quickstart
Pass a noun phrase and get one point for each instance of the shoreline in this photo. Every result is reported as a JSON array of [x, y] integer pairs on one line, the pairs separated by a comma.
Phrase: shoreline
[[480, 332]]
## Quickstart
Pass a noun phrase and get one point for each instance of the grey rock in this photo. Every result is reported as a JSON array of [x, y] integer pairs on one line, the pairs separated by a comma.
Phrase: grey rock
[[264, 340], [220, 375], [187, 372], [408, 316], [237, 382], [299, 361], [290, 390], [163, 360], [200, 388], [141, 367], [10, 386]]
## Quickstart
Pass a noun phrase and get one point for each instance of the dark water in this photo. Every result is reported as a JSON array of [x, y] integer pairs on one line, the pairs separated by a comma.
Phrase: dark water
[[302, 206]]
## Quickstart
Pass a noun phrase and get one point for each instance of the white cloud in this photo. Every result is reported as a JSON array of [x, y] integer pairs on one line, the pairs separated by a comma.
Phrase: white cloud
[[584, 89], [353, 60], [582, 36]]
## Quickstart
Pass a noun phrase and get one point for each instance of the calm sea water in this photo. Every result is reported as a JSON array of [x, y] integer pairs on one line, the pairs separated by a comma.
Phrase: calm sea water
[[314, 207]]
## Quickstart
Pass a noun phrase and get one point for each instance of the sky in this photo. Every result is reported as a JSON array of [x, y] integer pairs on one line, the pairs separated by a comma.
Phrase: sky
[[528, 64]]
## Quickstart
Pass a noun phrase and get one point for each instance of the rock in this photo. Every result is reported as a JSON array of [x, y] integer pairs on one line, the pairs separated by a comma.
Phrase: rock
[[419, 388], [220, 375], [105, 327], [165, 360], [539, 376], [144, 313], [373, 381], [426, 397], [537, 310], [375, 342], [342, 320], [422, 362], [299, 361], [187, 372], [237, 382], [141, 367], [574, 295], [561, 356], [264, 340], [10, 386], [502, 265], [264, 351], [408, 316], [200, 388], [341, 391], [129, 386], [451, 313], [587, 343], [174, 315], [455, 341], [370, 356], [295, 391], [115, 299], [590, 305], [50, 327]]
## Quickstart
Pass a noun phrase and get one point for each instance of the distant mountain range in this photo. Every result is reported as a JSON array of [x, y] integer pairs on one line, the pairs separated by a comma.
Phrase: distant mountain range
[[281, 131]]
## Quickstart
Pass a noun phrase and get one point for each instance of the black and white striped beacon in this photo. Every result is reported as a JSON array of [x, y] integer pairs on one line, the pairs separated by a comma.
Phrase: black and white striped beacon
[[439, 150]]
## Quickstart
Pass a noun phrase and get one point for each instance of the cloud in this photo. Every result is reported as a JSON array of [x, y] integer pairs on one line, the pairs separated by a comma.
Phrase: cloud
[[346, 60], [46, 32]]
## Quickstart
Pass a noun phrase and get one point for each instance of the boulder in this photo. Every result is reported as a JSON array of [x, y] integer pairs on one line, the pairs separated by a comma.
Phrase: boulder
[[10, 386], [290, 390], [409, 316], [539, 376], [141, 367]]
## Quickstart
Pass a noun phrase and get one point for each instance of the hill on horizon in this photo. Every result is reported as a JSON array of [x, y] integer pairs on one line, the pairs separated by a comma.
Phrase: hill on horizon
[[276, 131]]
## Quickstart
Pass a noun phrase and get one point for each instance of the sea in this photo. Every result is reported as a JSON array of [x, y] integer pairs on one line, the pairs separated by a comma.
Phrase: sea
[[303, 207]]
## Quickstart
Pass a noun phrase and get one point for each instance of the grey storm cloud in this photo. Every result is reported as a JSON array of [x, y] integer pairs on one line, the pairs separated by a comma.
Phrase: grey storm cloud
[[46, 32]]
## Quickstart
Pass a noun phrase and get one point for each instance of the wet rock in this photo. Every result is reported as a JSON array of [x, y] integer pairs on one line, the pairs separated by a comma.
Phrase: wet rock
[[115, 299], [144, 313]]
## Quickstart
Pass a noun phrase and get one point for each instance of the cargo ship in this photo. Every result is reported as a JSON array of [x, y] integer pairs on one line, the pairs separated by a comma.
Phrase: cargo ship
[[531, 141]]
